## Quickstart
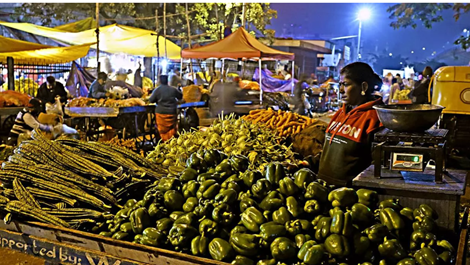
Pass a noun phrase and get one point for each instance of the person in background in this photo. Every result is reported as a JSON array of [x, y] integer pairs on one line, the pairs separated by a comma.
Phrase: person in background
[[167, 98], [49, 90], [348, 140], [224, 96], [27, 120], [298, 99], [138, 76], [419, 95], [393, 90], [97, 89]]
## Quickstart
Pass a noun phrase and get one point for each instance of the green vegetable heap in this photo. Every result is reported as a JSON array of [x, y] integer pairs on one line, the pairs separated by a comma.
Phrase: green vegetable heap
[[219, 208]]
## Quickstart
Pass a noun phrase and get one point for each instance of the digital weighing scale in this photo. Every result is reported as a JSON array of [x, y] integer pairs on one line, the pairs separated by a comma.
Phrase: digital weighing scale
[[399, 151]]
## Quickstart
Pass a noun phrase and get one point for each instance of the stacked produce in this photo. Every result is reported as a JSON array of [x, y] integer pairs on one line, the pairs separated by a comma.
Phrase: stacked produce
[[11, 98], [247, 84], [229, 135], [70, 182], [401, 94], [129, 143], [220, 209], [91, 102], [24, 86], [286, 123]]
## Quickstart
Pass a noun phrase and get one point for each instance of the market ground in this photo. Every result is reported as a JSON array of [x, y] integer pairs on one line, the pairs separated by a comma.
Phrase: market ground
[[10, 257]]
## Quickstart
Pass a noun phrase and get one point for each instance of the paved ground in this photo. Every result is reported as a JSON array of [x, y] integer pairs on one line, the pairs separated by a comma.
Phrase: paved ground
[[10, 257]]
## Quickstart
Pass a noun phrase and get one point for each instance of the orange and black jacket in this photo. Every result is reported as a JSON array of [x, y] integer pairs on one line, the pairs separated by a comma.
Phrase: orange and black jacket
[[347, 150]]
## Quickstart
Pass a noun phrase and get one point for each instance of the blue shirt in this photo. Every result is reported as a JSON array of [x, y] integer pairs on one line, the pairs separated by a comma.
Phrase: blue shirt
[[97, 90]]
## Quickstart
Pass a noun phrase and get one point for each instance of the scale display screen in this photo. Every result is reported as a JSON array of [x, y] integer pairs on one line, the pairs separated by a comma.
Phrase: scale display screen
[[407, 162]]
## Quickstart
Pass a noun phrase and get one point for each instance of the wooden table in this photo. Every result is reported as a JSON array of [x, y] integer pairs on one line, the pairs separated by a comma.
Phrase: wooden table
[[414, 188]]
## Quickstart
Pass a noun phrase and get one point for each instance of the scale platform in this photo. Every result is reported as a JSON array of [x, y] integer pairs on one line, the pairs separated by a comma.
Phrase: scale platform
[[405, 152]]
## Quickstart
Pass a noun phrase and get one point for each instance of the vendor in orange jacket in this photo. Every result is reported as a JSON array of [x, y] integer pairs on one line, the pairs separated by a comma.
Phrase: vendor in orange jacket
[[347, 150]]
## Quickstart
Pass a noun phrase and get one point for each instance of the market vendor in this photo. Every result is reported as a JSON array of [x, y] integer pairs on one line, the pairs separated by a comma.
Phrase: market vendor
[[347, 149], [167, 98], [97, 89], [50, 89]]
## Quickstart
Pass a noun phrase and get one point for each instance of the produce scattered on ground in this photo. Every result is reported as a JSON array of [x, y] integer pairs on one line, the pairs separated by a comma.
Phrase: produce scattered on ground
[[11, 98], [286, 123], [71, 183], [229, 135], [218, 208], [91, 102], [24, 86]]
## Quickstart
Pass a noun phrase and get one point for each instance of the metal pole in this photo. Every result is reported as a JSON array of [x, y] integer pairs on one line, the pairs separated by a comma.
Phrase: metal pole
[[97, 38], [223, 70], [181, 68], [292, 78], [157, 73], [260, 84], [11, 73], [359, 41], [164, 27]]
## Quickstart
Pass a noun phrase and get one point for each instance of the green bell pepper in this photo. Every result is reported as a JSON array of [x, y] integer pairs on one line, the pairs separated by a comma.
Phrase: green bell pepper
[[140, 220], [377, 233], [223, 214], [230, 185], [199, 246], [267, 262], [180, 235], [287, 186], [426, 256], [261, 188], [294, 207], [220, 249], [196, 161], [343, 197], [176, 214], [239, 230], [391, 219], [367, 197], [206, 176], [137, 239], [296, 227], [130, 203], [407, 213], [446, 245], [407, 261], [361, 214], [245, 195], [239, 163], [242, 260], [204, 208], [187, 218], [272, 201], [303, 177], [274, 172], [119, 235], [228, 196], [188, 174], [341, 224], [224, 169], [282, 248], [392, 249], [312, 207], [419, 239], [150, 196], [190, 204], [322, 230], [361, 244], [126, 228], [250, 177], [153, 237], [425, 210], [190, 189], [332, 211], [281, 216], [300, 239], [316, 191], [157, 211], [271, 230], [164, 225], [208, 228], [208, 189], [168, 183], [106, 234], [311, 253], [173, 200], [246, 203], [391, 203], [252, 218], [446, 258], [211, 157], [245, 244], [425, 223], [337, 245]]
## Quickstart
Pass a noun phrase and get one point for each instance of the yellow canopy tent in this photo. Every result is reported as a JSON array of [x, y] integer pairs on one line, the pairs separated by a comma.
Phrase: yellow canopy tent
[[78, 26], [113, 39], [32, 53]]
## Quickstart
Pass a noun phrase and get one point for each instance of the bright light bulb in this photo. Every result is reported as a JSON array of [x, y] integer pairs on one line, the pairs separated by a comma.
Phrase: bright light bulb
[[465, 30], [412, 51], [424, 48], [390, 54], [364, 14]]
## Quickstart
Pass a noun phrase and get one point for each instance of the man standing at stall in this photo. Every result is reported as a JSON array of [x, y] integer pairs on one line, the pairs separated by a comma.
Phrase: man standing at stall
[[97, 89], [167, 98], [50, 89]]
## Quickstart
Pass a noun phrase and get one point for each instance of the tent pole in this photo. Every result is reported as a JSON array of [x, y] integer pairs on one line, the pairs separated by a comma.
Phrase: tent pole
[[164, 27], [223, 70], [11, 73], [157, 73], [181, 67], [260, 84], [292, 78], [97, 38]]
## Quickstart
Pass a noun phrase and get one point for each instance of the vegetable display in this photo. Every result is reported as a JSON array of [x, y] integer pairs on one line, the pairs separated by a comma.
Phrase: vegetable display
[[229, 135], [91, 102], [286, 123]]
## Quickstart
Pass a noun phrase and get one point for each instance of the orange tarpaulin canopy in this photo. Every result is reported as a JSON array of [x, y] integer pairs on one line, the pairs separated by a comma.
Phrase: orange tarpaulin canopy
[[237, 45]]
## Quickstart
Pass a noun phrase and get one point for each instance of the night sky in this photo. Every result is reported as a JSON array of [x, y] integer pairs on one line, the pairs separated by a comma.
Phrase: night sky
[[336, 20]]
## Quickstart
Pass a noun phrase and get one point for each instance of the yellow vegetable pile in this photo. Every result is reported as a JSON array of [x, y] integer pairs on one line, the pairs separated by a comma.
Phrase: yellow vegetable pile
[[401, 95], [25, 86], [286, 123]]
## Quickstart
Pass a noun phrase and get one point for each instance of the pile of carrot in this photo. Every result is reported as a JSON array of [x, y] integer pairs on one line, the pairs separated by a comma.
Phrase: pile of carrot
[[286, 123]]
